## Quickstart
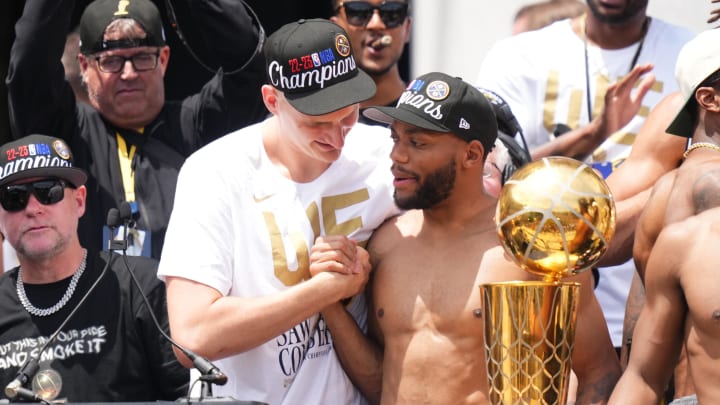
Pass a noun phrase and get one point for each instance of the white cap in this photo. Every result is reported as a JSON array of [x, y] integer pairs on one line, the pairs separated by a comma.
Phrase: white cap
[[697, 60]]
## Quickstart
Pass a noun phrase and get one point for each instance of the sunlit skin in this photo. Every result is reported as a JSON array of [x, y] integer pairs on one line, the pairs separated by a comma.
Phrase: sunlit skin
[[45, 236], [128, 99], [304, 146]]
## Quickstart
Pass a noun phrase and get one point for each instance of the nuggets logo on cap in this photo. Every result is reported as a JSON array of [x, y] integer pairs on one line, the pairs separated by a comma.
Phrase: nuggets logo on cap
[[61, 149], [438, 90], [342, 45]]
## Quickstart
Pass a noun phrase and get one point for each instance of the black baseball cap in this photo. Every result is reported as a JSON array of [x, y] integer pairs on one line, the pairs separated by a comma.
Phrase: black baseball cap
[[100, 13], [38, 156], [311, 62], [439, 102]]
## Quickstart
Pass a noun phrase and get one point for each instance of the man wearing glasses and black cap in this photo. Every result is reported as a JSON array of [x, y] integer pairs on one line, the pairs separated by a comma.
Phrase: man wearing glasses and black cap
[[378, 31], [109, 349], [129, 139]]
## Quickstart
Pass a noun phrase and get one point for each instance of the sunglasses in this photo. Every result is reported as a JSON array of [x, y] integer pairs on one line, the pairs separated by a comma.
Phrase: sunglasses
[[15, 197], [359, 13]]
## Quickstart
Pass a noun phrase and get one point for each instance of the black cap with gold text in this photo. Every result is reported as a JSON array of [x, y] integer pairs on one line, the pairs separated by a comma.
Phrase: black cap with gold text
[[100, 13]]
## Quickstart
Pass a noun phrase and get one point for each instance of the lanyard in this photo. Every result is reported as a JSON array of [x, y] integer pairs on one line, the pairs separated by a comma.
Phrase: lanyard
[[125, 158], [646, 23]]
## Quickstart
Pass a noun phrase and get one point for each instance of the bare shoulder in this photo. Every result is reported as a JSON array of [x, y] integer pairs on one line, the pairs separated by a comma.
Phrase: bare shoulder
[[705, 186], [682, 239], [392, 232]]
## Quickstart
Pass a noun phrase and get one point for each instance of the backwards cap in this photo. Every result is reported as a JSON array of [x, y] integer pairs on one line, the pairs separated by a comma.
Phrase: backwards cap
[[697, 60], [439, 102], [100, 13], [311, 62], [38, 156]]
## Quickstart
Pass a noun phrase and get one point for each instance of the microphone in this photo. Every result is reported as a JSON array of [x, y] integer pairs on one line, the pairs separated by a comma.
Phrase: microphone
[[27, 371], [208, 371], [113, 221], [16, 389]]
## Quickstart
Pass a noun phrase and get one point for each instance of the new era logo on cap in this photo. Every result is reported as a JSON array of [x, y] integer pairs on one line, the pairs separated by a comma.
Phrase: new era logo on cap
[[311, 62]]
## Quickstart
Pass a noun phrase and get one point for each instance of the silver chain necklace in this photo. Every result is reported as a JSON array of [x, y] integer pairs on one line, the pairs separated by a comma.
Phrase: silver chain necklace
[[65, 298]]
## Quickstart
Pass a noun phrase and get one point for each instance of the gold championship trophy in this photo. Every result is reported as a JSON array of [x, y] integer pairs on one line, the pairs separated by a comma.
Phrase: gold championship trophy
[[555, 218]]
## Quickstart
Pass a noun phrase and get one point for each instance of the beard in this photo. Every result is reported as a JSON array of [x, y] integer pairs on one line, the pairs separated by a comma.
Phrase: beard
[[436, 188], [631, 10]]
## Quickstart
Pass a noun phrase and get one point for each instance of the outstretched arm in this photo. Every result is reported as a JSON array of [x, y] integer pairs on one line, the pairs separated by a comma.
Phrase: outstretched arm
[[359, 354]]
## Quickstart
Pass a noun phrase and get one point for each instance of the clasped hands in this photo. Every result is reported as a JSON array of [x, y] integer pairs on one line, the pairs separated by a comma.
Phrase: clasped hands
[[342, 262]]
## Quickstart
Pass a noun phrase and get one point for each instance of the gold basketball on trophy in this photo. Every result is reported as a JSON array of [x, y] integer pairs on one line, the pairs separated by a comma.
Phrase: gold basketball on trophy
[[555, 217]]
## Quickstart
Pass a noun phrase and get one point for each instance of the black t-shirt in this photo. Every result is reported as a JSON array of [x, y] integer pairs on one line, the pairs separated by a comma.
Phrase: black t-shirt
[[110, 350]]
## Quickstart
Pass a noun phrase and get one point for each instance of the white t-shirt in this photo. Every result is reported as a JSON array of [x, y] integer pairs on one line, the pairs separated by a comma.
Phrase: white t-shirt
[[542, 76], [239, 226]]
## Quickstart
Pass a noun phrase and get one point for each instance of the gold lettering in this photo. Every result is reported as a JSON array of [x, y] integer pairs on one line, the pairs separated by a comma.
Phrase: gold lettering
[[122, 7], [330, 205], [551, 98], [282, 272], [313, 215], [333, 203]]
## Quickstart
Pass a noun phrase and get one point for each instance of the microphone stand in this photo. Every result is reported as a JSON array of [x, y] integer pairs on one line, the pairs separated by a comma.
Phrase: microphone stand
[[209, 373]]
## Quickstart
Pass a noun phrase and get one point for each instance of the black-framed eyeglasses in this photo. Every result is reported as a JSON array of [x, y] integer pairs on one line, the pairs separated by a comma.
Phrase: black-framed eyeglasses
[[359, 13], [141, 62], [15, 197]]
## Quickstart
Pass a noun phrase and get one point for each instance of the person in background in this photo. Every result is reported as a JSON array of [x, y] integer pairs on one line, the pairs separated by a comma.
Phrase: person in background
[[131, 140], [537, 15], [294, 201], [582, 88], [109, 350], [379, 31]]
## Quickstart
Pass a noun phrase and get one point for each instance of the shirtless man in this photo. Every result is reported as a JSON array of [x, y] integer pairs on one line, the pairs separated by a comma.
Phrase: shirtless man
[[682, 262], [425, 308], [695, 186]]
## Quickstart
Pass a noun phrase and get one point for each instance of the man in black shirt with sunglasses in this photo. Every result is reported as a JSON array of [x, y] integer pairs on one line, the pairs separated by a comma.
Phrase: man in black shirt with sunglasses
[[378, 33], [129, 138], [108, 350]]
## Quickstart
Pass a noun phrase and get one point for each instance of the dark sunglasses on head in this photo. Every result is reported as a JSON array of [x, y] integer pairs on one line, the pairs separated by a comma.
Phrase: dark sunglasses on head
[[359, 13], [15, 197]]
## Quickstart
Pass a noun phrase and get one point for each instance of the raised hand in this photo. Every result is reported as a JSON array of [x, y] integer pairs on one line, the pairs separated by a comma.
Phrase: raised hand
[[623, 98]]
